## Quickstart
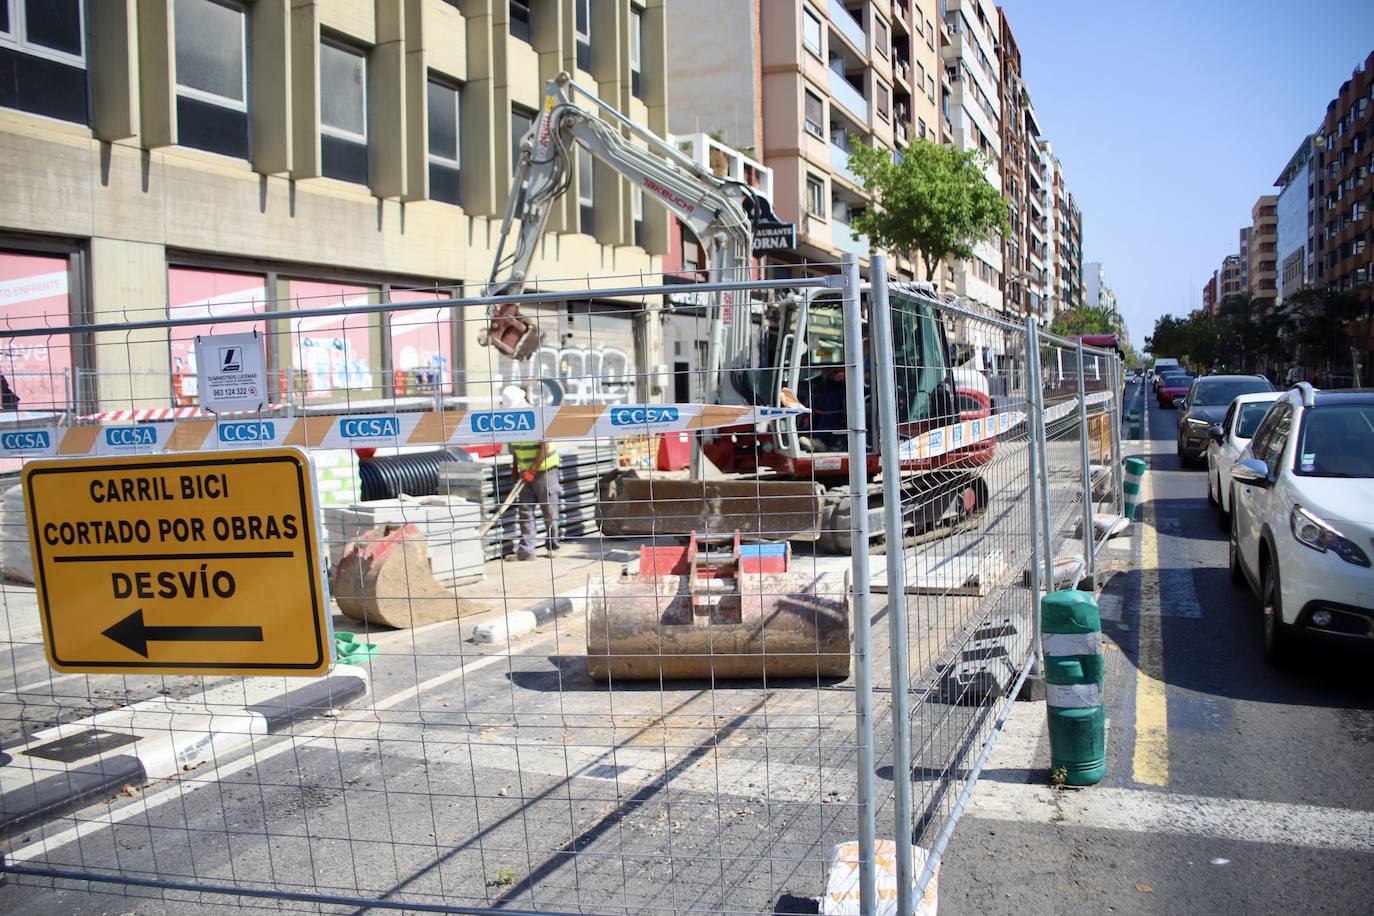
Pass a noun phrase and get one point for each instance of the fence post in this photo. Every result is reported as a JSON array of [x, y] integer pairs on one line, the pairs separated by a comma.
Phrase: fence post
[[1118, 475], [1039, 432], [863, 637], [1033, 417], [1085, 460], [884, 377]]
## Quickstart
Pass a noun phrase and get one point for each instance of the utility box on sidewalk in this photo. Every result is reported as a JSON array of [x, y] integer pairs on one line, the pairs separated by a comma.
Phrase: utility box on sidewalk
[[1071, 632]]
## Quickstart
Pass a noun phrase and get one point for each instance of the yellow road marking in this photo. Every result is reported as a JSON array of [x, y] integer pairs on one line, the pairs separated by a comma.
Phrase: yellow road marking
[[1151, 763]]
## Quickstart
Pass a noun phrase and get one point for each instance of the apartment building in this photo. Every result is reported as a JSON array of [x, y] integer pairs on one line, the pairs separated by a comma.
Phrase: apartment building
[[794, 83], [1262, 282], [973, 74], [1230, 281], [1209, 293], [1065, 243], [166, 156], [1245, 257], [1025, 246], [1297, 212], [1345, 245], [1096, 292]]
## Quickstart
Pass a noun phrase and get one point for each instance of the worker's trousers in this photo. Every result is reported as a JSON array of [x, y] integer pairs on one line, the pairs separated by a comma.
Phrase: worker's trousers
[[545, 492]]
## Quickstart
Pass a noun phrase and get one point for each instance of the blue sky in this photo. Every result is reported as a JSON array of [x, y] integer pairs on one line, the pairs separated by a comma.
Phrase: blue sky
[[1171, 117]]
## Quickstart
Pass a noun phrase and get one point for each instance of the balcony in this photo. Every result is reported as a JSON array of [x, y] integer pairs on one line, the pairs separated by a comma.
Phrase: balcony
[[842, 237], [851, 98], [839, 161], [850, 28]]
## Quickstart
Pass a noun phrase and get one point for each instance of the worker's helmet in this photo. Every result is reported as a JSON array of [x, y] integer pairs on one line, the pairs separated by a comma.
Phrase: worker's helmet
[[514, 396]]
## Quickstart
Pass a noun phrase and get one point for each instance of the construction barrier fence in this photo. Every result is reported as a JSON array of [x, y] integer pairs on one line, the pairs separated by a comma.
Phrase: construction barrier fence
[[741, 646]]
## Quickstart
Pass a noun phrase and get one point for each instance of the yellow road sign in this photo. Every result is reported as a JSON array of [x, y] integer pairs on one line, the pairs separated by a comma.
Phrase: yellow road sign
[[179, 564]]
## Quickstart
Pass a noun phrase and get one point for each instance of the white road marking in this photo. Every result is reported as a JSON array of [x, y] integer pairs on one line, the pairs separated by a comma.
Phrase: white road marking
[[1143, 811], [353, 720]]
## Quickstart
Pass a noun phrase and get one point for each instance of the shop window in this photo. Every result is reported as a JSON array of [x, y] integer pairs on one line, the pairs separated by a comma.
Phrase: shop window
[[333, 358], [207, 294], [37, 371], [422, 344]]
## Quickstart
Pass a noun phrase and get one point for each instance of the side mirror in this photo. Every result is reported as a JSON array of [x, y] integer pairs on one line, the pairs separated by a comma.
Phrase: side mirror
[[1252, 472]]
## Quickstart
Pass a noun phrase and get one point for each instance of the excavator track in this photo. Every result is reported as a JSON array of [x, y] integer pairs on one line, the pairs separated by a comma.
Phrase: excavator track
[[935, 506]]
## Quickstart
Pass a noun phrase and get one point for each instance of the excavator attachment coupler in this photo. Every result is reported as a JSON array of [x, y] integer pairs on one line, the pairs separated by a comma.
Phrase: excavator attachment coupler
[[729, 614], [512, 334], [775, 510]]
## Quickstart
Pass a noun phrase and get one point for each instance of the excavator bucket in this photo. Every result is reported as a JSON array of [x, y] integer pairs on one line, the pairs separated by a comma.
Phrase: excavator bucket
[[774, 510], [384, 579], [512, 334], [718, 614]]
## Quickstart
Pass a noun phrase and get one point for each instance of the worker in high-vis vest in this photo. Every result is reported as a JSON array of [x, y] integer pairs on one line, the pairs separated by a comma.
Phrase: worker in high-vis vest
[[536, 465]]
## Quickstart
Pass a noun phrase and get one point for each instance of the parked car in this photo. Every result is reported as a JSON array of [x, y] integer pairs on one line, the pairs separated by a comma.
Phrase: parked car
[[1302, 517], [1226, 442], [1173, 386], [1204, 407]]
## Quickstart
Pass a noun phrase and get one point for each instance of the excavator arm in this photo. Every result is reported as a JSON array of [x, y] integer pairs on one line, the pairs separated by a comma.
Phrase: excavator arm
[[717, 210]]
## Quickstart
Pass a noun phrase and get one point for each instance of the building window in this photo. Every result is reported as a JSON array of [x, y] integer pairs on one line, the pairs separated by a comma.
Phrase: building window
[[521, 120], [343, 113], [921, 125], [930, 88], [445, 155], [815, 196], [43, 58], [930, 34], [586, 193], [637, 208], [811, 32], [521, 26], [636, 52], [815, 114], [880, 36], [212, 76], [583, 33], [884, 97]]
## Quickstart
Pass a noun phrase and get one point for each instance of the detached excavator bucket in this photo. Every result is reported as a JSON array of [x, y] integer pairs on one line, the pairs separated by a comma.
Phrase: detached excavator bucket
[[775, 510], [735, 614]]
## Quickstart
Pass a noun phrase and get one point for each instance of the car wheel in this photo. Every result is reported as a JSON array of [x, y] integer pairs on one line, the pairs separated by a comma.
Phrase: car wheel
[[1233, 552], [1277, 636]]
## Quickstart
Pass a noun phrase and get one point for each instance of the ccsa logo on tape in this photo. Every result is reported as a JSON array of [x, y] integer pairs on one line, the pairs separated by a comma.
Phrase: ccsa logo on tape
[[503, 421], [27, 441], [369, 427], [252, 431], [126, 436], [644, 415]]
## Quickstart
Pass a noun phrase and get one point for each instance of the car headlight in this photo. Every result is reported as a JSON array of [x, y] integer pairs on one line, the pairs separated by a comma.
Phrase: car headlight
[[1319, 535], [1197, 424]]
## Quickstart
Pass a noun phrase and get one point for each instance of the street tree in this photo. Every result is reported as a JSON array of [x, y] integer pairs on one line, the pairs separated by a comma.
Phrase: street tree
[[931, 201], [1086, 319]]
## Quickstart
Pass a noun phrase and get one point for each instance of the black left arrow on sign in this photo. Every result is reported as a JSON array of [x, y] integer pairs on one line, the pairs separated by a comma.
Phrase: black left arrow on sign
[[134, 635]]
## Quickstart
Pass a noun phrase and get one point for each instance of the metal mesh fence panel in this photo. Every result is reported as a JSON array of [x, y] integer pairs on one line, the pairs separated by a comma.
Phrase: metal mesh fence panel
[[646, 700]]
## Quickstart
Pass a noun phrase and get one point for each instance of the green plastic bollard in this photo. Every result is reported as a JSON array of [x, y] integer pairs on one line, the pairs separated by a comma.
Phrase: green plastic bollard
[[1134, 422], [1130, 485], [1071, 635]]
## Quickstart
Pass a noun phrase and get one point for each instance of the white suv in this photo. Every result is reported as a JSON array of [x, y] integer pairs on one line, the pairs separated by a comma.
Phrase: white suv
[[1302, 517], [1227, 442]]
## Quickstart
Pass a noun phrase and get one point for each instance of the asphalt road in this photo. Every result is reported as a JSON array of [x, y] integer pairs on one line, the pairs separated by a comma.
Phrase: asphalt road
[[1233, 787]]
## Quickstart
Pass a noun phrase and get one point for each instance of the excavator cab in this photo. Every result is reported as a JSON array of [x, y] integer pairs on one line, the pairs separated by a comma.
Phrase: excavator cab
[[808, 356]]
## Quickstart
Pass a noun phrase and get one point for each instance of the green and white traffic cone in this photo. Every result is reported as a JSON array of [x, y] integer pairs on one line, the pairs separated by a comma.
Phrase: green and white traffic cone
[[1135, 472], [1071, 635]]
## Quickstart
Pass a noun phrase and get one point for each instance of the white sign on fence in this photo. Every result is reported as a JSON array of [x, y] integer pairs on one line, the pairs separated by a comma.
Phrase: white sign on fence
[[230, 372]]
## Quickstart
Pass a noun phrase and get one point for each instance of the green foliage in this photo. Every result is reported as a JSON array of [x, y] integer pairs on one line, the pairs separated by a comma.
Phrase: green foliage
[[1086, 319], [934, 203]]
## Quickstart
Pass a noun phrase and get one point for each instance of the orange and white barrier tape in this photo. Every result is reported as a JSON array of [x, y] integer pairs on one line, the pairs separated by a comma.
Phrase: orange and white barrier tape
[[382, 430]]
